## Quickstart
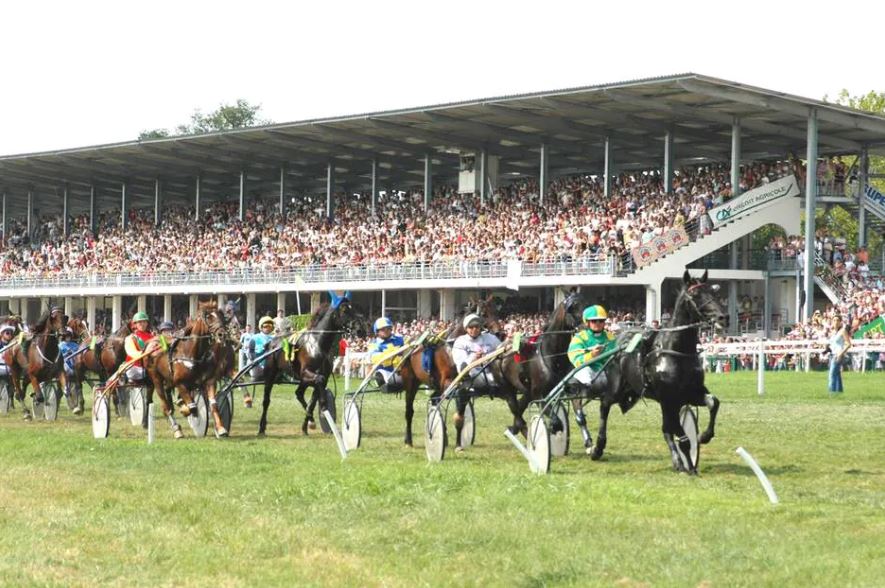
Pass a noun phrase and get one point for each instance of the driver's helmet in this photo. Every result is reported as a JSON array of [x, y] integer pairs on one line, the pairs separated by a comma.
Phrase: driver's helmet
[[594, 312], [265, 320], [166, 326], [382, 323], [140, 316], [9, 328], [472, 318]]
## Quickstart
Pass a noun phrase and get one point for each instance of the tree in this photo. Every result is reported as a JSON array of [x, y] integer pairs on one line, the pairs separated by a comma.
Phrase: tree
[[239, 115], [873, 102]]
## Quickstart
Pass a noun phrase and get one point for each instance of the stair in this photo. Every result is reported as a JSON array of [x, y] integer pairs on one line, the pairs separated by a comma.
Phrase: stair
[[784, 212]]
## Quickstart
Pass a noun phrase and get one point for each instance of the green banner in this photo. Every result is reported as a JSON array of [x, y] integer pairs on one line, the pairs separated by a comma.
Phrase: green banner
[[299, 321], [871, 328]]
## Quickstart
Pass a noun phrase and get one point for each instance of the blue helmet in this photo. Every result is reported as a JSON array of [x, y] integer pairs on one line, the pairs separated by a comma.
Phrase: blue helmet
[[382, 323]]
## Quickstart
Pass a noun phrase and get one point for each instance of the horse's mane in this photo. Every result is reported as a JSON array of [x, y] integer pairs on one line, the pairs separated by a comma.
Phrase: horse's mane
[[123, 330], [318, 314], [40, 326]]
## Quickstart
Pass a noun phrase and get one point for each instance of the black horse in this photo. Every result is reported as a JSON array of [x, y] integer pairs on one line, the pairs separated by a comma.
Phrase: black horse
[[666, 368], [310, 360]]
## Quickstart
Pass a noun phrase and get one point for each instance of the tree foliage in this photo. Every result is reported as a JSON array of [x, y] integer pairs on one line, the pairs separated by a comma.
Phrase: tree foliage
[[239, 115]]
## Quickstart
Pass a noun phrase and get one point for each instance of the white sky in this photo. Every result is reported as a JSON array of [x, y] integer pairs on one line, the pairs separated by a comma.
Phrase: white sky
[[84, 73]]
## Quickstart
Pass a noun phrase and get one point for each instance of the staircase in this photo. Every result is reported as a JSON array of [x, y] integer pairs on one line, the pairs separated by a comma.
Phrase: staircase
[[784, 212]]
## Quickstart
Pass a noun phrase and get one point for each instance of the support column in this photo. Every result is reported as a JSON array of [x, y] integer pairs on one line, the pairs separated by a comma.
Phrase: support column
[[116, 312], [167, 307], [15, 306], [141, 303], [69, 306], [766, 307], [283, 190], [315, 301], [24, 310], [544, 172], [736, 157], [124, 206], [242, 194], [330, 190], [428, 180], [810, 207], [192, 300], [374, 183], [425, 303], [483, 173], [221, 300], [250, 309], [652, 303], [30, 212], [607, 172], [92, 210], [198, 185], [799, 286], [558, 297], [861, 209], [733, 319], [44, 305], [281, 302], [446, 305], [90, 313], [383, 302], [157, 203], [668, 162], [5, 226], [65, 225]]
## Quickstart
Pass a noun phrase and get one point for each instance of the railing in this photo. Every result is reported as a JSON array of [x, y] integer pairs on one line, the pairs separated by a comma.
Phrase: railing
[[451, 270]]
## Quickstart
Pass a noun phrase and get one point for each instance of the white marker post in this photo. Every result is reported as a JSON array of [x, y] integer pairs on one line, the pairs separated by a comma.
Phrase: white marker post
[[760, 380], [150, 423], [763, 479]]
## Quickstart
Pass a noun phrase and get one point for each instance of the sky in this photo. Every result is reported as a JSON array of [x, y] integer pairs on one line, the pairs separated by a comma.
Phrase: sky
[[83, 73]]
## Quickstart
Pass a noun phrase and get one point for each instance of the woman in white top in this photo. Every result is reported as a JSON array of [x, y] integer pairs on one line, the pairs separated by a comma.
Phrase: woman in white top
[[840, 343]]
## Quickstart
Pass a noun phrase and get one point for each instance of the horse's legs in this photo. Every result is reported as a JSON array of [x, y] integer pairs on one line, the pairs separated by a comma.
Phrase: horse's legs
[[712, 404], [265, 404], [581, 419], [461, 401], [166, 404], [602, 435], [317, 391], [299, 396], [211, 392], [519, 425], [411, 392], [675, 437]]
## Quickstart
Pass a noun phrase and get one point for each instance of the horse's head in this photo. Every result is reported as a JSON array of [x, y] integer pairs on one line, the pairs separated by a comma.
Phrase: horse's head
[[701, 300], [350, 319], [573, 307], [57, 319], [79, 328], [487, 308]]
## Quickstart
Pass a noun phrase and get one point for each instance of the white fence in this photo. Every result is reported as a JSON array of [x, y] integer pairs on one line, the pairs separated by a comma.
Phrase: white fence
[[803, 350]]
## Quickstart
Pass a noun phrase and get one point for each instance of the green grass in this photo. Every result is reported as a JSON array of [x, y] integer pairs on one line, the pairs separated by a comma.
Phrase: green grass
[[285, 510]]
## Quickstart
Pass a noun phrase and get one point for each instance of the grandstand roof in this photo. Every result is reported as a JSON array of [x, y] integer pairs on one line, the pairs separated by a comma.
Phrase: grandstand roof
[[573, 122]]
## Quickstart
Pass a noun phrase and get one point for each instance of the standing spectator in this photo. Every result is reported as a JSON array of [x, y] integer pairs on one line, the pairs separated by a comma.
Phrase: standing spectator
[[840, 343]]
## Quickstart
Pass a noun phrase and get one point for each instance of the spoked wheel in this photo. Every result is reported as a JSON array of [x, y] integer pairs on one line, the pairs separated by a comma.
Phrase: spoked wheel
[[539, 443], [560, 439], [199, 422], [352, 426], [329, 398], [50, 400], [137, 407], [688, 418], [5, 398], [468, 429], [101, 416], [226, 409], [435, 435]]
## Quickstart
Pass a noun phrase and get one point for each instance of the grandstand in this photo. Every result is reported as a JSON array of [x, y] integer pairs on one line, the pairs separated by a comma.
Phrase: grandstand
[[616, 188]]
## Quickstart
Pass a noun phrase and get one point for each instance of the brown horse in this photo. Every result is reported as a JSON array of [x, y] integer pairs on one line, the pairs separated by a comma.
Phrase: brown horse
[[39, 358], [183, 367], [102, 355], [442, 372]]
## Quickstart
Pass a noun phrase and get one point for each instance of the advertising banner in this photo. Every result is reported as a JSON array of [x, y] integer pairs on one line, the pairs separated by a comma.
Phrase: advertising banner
[[754, 200], [661, 245], [874, 201]]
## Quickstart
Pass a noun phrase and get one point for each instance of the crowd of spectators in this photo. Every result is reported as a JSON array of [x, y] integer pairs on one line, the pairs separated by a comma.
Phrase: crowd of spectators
[[576, 222]]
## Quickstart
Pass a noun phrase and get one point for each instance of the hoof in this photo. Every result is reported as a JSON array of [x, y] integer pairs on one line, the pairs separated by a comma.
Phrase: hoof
[[77, 410], [222, 432], [311, 424], [27, 416], [589, 450], [247, 402], [704, 438], [304, 428], [459, 449], [262, 434], [177, 434], [596, 455]]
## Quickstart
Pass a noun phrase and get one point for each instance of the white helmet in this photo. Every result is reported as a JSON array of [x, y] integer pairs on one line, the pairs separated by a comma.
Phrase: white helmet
[[472, 318], [10, 328]]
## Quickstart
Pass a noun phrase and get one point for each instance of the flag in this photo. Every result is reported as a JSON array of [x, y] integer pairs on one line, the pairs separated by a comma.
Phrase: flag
[[876, 326]]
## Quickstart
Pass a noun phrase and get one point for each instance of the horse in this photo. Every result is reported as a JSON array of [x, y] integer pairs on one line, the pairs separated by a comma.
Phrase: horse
[[413, 373], [485, 308], [541, 366], [183, 366], [314, 352], [666, 368], [39, 358]]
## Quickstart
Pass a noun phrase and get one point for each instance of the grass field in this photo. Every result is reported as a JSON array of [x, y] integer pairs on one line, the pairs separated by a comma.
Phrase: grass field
[[285, 510]]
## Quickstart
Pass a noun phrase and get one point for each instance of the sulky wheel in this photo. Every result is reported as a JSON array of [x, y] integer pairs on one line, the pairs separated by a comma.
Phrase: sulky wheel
[[468, 429], [435, 435], [352, 426], [5, 398], [101, 416], [137, 407], [560, 439], [199, 422]]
